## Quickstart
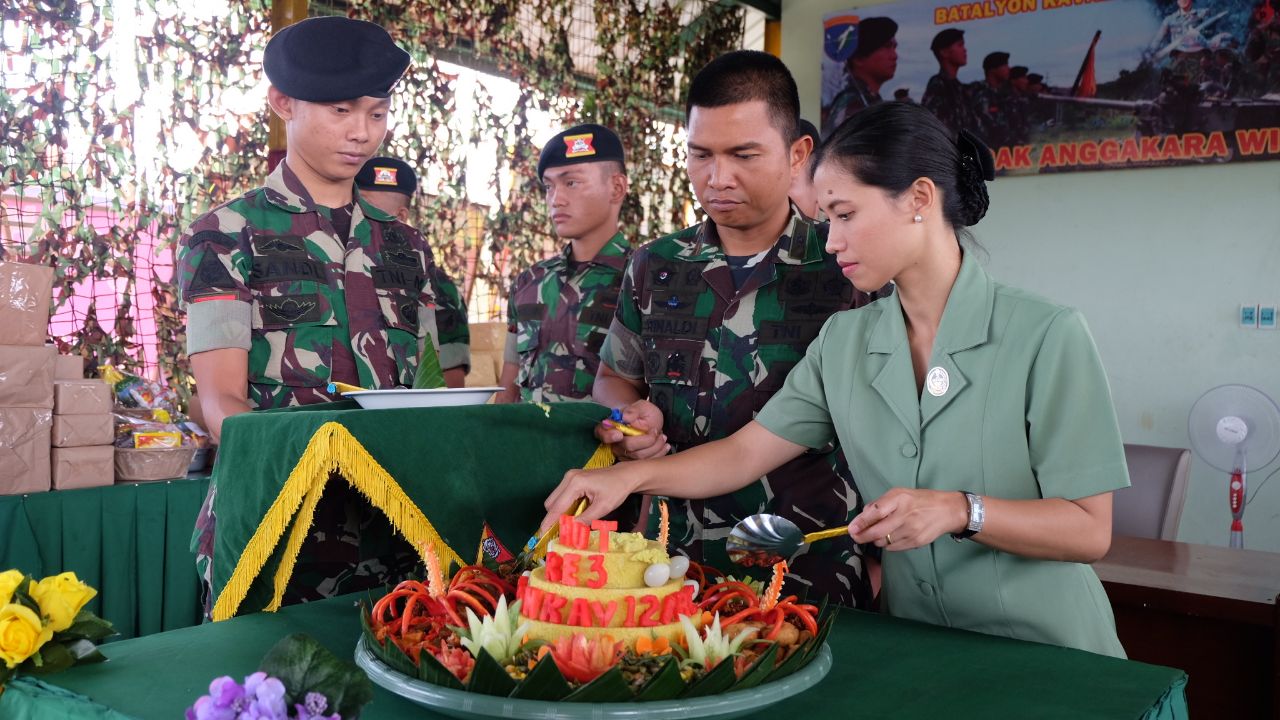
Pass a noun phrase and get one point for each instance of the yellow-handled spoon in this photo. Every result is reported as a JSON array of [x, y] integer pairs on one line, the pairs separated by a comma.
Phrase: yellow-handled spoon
[[763, 540], [341, 388]]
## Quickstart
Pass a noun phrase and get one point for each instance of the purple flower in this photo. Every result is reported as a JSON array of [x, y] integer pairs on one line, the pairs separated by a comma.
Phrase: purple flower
[[314, 708], [261, 698], [224, 702]]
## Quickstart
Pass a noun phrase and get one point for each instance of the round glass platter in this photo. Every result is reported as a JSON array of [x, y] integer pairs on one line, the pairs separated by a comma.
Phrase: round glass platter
[[462, 704]]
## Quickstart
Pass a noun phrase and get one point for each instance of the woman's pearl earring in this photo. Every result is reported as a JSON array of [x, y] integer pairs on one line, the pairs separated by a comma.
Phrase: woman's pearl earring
[[918, 218]]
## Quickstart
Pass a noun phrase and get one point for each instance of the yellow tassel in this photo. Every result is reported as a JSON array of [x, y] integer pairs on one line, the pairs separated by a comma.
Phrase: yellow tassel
[[332, 447], [310, 468]]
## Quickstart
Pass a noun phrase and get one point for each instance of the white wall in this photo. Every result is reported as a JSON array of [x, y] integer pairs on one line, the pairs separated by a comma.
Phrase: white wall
[[1158, 261]]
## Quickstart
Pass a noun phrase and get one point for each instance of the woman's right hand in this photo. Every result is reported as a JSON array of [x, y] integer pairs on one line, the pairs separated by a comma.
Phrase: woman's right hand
[[604, 489]]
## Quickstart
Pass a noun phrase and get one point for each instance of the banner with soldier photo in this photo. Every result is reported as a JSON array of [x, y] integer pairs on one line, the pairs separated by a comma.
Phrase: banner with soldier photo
[[1063, 85]]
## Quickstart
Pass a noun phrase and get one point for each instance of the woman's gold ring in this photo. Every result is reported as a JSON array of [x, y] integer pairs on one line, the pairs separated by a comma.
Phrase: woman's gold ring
[[888, 538]]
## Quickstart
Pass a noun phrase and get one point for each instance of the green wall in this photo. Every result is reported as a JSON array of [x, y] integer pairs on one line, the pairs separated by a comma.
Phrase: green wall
[[1159, 262]]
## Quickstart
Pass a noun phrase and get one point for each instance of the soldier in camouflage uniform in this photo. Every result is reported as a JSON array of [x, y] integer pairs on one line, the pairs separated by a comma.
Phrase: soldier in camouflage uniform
[[873, 63], [300, 282], [389, 184], [945, 96], [712, 318], [992, 101], [560, 308]]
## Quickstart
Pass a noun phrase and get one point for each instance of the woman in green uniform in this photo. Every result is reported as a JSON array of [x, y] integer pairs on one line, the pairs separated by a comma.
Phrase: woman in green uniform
[[977, 415]]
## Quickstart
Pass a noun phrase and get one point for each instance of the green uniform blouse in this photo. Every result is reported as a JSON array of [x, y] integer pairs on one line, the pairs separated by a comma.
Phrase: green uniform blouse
[[1020, 409]]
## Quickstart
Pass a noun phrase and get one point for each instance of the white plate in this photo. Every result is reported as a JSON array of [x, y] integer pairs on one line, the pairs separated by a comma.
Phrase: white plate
[[408, 398]]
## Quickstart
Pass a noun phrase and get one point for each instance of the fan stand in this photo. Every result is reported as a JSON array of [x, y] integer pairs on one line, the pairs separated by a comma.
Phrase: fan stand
[[1236, 496]]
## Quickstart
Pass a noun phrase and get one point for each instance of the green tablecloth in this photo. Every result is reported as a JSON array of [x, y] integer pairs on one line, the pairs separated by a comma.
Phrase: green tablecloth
[[884, 668], [461, 466], [128, 541]]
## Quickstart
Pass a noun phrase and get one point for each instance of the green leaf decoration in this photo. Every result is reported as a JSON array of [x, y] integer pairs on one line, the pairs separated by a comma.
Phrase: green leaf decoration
[[304, 665], [429, 376], [490, 678], [666, 684], [88, 626], [796, 660], [52, 657], [609, 687], [719, 680], [761, 669], [544, 682], [85, 652]]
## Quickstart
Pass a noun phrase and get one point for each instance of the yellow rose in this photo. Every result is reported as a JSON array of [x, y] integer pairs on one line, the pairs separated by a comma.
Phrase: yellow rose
[[60, 598], [9, 580], [21, 634]]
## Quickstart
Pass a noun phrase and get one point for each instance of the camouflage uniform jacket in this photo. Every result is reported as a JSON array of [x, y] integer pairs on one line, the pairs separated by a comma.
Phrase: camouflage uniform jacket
[[712, 356], [558, 318], [451, 318], [948, 99], [267, 272], [995, 111], [855, 96]]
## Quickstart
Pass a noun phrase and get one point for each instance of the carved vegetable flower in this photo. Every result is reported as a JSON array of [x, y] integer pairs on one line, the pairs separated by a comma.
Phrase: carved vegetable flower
[[708, 651], [581, 660], [498, 634]]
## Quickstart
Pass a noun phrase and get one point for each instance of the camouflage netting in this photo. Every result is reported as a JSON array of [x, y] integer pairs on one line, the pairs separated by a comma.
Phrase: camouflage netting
[[117, 131]]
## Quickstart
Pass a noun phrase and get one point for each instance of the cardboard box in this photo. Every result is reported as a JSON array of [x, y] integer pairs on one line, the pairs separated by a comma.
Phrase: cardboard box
[[81, 397], [71, 431], [83, 467], [26, 376], [68, 367], [26, 296], [24, 450]]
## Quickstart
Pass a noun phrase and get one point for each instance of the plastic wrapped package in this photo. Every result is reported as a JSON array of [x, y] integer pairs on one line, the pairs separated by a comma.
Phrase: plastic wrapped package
[[83, 467], [26, 375], [24, 450], [83, 430], [26, 296], [156, 464], [68, 367], [81, 397]]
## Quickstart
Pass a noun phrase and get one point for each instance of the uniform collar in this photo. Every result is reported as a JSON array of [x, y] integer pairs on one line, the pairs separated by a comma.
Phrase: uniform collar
[[613, 254], [966, 319], [799, 244], [286, 191]]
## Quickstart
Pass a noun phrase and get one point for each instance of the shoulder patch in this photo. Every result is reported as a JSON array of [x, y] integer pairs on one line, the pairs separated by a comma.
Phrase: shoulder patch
[[210, 274], [220, 239]]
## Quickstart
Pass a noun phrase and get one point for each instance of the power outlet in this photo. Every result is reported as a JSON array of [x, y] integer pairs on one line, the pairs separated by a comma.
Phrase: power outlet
[[1266, 317], [1248, 316]]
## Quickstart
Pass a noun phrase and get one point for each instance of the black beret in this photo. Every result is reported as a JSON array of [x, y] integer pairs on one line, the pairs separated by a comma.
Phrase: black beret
[[329, 59], [1017, 71], [581, 144], [1034, 78], [387, 174], [995, 60], [946, 39], [873, 34]]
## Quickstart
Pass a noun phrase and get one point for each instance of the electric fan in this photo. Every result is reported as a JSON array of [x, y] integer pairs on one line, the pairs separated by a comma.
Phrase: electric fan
[[1235, 428]]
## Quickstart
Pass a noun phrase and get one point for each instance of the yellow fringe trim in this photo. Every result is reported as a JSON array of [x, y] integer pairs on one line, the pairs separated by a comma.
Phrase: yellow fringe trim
[[334, 448], [331, 448]]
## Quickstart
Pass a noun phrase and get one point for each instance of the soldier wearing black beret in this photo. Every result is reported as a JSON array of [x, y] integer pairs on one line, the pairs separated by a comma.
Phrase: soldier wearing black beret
[[944, 95], [280, 293], [993, 102], [553, 347], [873, 63], [390, 184]]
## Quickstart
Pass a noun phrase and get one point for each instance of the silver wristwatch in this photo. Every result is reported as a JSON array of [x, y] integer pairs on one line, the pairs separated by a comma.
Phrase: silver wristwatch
[[977, 513]]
